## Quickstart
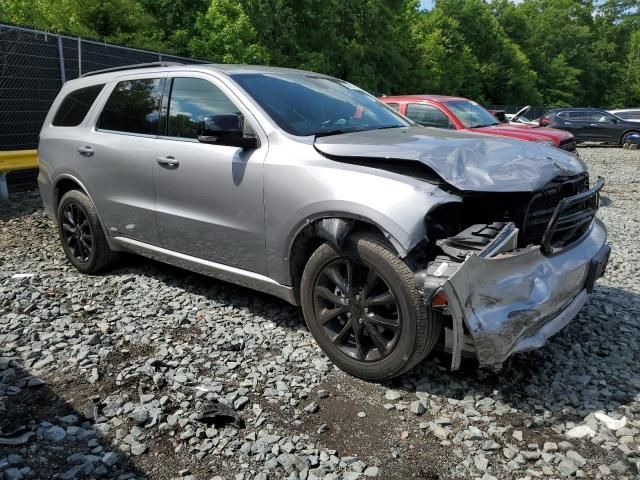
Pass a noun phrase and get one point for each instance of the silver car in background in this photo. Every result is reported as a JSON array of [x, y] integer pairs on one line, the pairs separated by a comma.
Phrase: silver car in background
[[391, 236], [629, 114]]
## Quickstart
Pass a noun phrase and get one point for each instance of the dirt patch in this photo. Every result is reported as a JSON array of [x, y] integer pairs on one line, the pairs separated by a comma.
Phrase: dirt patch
[[377, 438]]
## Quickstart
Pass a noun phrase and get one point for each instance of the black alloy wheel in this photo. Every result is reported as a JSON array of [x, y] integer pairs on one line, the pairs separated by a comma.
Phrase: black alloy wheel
[[81, 234], [357, 309], [362, 305], [77, 233]]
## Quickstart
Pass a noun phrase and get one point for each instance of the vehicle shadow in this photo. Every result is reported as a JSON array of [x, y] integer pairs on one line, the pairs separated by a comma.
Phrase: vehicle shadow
[[213, 290], [43, 436], [593, 364]]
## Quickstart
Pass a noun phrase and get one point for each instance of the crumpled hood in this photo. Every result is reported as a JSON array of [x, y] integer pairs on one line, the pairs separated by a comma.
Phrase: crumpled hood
[[467, 161]]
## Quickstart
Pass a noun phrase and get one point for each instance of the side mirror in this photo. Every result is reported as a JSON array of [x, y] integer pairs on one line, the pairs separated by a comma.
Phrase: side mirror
[[225, 130]]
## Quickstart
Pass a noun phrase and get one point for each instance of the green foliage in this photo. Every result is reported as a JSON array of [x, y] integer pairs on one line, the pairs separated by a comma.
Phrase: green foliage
[[225, 35], [632, 76], [554, 52]]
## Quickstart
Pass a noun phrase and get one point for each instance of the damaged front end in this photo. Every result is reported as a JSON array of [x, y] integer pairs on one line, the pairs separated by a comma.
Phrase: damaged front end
[[507, 286]]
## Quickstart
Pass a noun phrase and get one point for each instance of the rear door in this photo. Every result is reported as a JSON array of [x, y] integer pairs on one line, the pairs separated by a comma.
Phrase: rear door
[[119, 154], [209, 197], [576, 122]]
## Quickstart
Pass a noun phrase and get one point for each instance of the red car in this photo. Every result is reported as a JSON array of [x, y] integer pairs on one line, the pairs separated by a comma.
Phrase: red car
[[463, 114]]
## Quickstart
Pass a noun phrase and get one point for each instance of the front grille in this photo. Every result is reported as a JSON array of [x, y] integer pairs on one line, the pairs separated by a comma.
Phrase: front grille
[[569, 144], [561, 213]]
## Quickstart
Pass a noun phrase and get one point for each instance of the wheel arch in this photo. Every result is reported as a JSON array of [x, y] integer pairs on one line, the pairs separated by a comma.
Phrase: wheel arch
[[65, 183], [627, 132], [333, 228]]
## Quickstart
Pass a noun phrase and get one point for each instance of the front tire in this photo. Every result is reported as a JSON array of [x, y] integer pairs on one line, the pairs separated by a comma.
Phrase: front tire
[[81, 234], [625, 138], [362, 307]]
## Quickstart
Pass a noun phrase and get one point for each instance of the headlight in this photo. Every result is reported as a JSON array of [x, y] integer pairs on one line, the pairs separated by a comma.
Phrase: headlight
[[546, 142]]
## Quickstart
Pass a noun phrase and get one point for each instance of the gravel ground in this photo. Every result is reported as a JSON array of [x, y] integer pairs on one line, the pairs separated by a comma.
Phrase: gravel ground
[[108, 376]]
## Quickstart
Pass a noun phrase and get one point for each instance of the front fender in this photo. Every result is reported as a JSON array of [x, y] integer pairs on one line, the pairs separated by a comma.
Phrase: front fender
[[395, 204]]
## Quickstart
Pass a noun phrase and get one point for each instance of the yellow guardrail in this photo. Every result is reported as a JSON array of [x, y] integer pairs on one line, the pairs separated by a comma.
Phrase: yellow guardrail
[[18, 160], [11, 161]]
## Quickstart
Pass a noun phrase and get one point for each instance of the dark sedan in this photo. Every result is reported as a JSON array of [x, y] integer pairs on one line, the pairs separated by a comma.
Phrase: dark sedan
[[591, 125]]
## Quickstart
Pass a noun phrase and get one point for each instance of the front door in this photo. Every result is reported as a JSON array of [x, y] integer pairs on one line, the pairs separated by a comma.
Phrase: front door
[[604, 127], [209, 198]]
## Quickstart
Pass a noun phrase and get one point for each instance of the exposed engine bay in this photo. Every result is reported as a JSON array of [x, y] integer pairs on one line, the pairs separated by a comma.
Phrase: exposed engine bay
[[507, 285]]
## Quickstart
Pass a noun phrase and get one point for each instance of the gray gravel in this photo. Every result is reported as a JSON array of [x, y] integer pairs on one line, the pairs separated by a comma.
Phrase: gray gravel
[[109, 376]]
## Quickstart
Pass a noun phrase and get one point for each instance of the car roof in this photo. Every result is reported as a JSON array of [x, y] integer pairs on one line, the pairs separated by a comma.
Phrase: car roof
[[423, 97], [577, 109], [622, 110], [228, 69]]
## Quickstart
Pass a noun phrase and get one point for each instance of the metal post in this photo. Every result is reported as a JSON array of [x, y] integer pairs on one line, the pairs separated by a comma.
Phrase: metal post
[[63, 78], [79, 57], [4, 190]]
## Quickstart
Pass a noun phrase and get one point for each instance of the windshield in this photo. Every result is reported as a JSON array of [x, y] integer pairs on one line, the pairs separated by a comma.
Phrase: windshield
[[307, 104], [471, 114]]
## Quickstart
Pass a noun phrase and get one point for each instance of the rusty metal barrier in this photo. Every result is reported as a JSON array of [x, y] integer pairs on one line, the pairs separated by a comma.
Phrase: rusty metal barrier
[[12, 161]]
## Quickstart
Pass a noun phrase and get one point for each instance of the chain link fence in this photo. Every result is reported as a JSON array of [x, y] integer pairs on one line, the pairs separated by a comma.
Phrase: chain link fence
[[33, 67]]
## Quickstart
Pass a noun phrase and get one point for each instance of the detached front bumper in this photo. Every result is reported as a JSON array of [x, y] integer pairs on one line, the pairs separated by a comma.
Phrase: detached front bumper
[[512, 301]]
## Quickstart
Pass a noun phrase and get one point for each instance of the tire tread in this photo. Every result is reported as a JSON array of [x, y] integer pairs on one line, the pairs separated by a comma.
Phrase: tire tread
[[428, 327], [104, 256]]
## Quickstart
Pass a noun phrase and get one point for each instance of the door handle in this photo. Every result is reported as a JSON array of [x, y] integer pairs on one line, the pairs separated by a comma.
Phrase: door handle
[[594, 125], [168, 161], [86, 151]]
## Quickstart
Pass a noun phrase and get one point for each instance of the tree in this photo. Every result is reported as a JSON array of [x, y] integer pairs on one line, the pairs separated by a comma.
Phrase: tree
[[176, 20], [632, 77], [555, 52], [225, 34], [118, 21], [469, 52]]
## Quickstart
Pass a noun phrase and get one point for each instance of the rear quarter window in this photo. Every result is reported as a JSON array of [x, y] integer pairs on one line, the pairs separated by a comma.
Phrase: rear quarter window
[[133, 107], [75, 106]]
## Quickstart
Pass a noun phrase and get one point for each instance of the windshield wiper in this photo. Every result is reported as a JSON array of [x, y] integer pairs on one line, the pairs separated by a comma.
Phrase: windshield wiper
[[328, 133]]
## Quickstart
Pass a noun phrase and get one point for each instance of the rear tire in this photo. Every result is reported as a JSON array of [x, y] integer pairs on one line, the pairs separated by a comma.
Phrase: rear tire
[[382, 327], [81, 234]]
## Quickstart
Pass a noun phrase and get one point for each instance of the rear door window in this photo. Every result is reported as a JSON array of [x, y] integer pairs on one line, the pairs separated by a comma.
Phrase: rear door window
[[395, 106], [75, 106], [428, 116], [133, 107]]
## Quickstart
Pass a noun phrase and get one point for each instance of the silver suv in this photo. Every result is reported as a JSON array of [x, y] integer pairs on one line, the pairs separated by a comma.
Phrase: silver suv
[[391, 236]]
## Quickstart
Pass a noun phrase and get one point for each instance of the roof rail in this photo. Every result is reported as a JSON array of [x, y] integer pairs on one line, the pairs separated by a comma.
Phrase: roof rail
[[132, 67]]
